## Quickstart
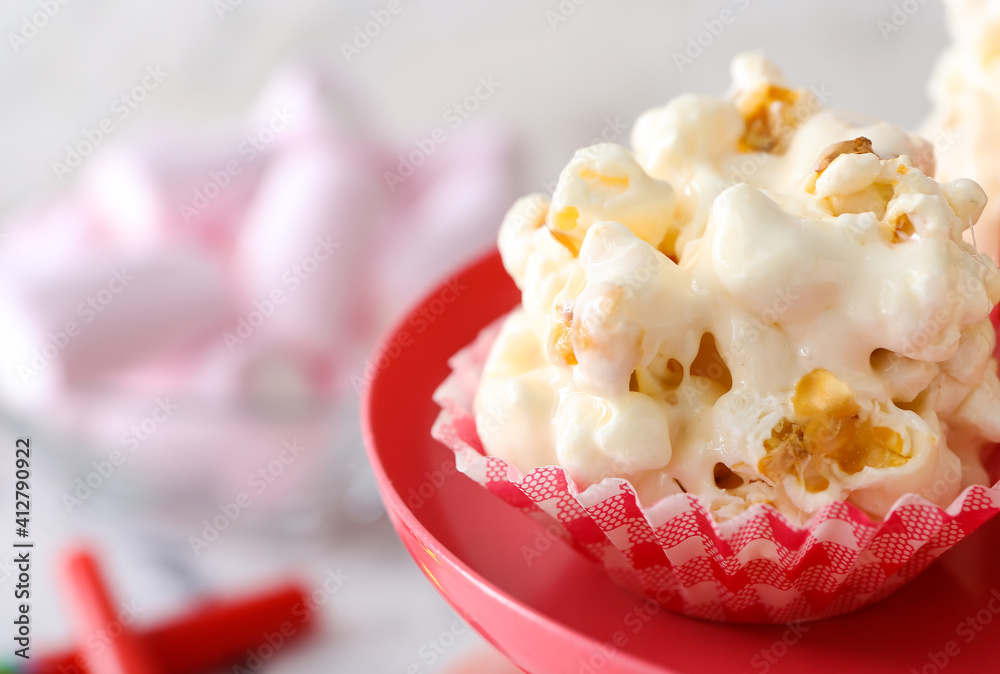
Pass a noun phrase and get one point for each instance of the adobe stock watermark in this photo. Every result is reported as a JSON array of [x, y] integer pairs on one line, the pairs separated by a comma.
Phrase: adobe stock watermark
[[595, 315], [611, 131], [7, 568], [33, 23], [224, 7], [769, 656], [453, 117], [121, 107], [102, 639], [258, 482], [364, 34], [561, 13], [271, 643], [943, 139], [294, 277], [899, 16], [947, 483], [932, 327], [753, 161], [782, 301], [967, 631], [131, 440], [710, 30], [435, 648], [89, 309], [418, 496], [434, 480], [548, 536], [543, 541], [634, 621], [490, 424], [418, 323], [247, 150]]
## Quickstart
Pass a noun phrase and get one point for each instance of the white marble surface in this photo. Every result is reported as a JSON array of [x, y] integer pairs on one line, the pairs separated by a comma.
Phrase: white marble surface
[[381, 619], [559, 87]]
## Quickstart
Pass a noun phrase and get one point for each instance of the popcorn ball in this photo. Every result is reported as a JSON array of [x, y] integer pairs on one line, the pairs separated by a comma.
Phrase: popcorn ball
[[763, 309], [816, 332]]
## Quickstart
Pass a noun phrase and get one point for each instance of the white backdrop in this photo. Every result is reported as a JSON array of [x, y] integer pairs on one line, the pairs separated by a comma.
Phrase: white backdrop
[[559, 79]]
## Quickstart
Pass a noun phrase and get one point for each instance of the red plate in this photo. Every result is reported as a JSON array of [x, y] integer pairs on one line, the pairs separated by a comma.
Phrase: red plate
[[557, 612]]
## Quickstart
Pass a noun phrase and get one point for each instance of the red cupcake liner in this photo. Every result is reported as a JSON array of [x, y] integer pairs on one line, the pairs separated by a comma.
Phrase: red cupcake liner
[[758, 567]]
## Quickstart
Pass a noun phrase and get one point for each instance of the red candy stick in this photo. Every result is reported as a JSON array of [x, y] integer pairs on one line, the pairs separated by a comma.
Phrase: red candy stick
[[217, 634], [94, 614]]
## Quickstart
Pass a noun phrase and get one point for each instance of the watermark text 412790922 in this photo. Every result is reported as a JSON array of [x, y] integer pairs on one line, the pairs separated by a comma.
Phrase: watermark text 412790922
[[22, 547]]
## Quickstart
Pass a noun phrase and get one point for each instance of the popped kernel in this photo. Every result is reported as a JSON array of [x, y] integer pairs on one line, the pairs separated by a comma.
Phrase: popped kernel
[[621, 182], [566, 219], [560, 344], [900, 229], [563, 221], [768, 113], [827, 430], [787, 454], [821, 393], [859, 145]]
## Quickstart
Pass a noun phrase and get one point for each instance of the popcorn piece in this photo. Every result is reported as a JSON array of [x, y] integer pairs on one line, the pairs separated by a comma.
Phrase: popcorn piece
[[820, 394], [827, 431], [687, 129], [848, 173], [767, 114], [605, 182], [905, 378], [516, 402], [770, 111], [517, 240]]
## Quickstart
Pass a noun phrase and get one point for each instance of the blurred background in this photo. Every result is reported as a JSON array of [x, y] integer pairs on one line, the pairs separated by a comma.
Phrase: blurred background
[[211, 209]]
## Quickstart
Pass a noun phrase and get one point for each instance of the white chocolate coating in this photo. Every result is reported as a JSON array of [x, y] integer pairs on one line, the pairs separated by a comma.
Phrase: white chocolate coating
[[818, 328]]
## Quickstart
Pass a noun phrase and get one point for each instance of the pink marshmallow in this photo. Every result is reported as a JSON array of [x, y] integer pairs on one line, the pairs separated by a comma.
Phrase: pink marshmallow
[[263, 377], [449, 212], [322, 104], [41, 240], [165, 436], [168, 190], [63, 331], [301, 254]]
